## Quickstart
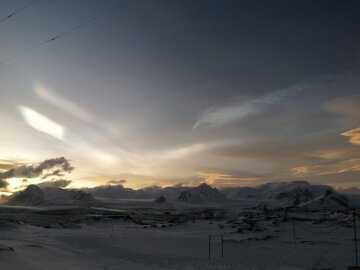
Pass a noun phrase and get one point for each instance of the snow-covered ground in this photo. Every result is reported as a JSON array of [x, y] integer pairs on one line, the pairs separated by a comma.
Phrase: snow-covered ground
[[108, 243], [293, 225]]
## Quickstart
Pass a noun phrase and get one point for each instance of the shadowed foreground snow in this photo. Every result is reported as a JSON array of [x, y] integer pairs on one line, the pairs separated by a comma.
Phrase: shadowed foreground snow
[[118, 244]]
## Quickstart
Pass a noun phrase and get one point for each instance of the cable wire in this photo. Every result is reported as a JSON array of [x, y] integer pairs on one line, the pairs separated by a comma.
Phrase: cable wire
[[12, 14], [73, 29]]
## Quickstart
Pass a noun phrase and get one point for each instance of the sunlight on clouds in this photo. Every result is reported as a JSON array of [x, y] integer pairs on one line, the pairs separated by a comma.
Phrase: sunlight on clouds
[[16, 184], [223, 179], [334, 154], [344, 166], [45, 125], [184, 151], [354, 135], [104, 156], [42, 123], [62, 103]]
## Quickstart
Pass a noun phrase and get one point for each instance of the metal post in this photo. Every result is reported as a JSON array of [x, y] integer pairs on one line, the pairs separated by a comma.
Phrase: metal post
[[284, 219], [294, 233], [222, 246], [209, 245], [355, 236]]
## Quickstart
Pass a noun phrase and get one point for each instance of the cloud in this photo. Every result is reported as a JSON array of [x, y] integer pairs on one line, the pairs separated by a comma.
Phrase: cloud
[[117, 182], [343, 166], [223, 178], [287, 150], [41, 123], [354, 135], [227, 114], [61, 183], [54, 173], [49, 167], [6, 164], [47, 126], [185, 151], [345, 106], [62, 103]]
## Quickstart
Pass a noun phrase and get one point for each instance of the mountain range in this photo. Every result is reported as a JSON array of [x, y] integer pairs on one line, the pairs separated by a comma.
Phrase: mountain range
[[276, 194]]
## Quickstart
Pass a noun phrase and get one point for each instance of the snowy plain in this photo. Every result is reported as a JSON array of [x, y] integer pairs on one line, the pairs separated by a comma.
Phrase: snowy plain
[[120, 244], [257, 233]]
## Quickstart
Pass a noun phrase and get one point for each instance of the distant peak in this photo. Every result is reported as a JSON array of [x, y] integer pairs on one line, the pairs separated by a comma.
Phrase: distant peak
[[33, 188], [204, 185]]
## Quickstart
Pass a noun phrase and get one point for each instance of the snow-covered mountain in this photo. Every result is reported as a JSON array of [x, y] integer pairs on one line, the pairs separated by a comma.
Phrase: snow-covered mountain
[[201, 194], [115, 192], [296, 193], [279, 194], [330, 200], [34, 195], [121, 192]]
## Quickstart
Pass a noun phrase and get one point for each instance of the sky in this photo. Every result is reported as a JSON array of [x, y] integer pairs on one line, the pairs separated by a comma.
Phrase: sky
[[231, 93]]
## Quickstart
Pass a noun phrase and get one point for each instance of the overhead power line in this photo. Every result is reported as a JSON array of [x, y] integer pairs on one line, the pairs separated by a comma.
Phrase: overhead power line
[[12, 14], [73, 29]]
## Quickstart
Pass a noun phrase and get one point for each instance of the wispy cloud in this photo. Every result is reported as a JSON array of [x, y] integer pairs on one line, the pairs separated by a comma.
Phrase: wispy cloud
[[343, 166], [60, 183], [220, 116], [116, 182], [42, 123], [48, 126], [6, 164], [62, 103], [354, 135], [223, 178]]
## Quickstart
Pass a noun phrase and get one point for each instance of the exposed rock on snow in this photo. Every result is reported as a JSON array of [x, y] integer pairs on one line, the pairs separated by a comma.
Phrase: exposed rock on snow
[[32, 195], [201, 194]]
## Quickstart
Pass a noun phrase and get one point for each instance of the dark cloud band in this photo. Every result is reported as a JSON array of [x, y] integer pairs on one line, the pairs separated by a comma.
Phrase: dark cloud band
[[49, 167]]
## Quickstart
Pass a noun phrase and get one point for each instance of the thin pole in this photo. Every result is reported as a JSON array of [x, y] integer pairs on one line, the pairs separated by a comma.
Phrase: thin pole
[[294, 233], [222, 246], [355, 236], [209, 246]]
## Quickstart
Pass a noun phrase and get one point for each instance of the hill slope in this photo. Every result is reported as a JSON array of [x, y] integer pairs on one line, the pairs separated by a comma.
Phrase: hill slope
[[288, 194]]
